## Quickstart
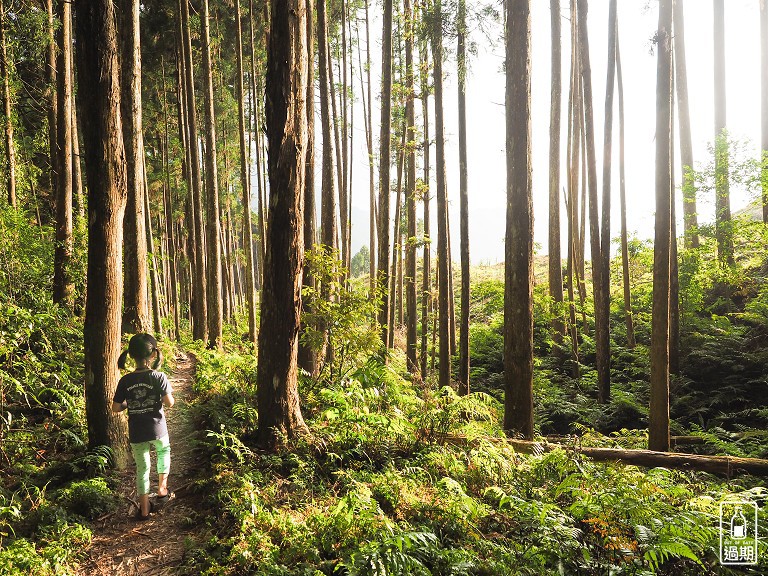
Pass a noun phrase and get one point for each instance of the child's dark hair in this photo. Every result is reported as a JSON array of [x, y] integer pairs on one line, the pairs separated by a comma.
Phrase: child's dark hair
[[141, 346]]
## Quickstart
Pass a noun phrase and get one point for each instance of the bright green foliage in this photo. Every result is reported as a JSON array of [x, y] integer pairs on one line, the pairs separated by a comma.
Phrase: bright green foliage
[[337, 317], [396, 479]]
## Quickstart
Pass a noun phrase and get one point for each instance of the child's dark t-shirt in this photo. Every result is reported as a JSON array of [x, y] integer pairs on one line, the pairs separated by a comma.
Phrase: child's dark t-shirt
[[144, 390]]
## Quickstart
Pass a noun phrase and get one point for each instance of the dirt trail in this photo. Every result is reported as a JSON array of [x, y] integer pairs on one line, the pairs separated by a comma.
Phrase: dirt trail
[[123, 546]]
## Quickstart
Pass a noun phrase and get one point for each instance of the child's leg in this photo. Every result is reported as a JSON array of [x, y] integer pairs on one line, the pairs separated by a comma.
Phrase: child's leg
[[141, 456], [163, 449]]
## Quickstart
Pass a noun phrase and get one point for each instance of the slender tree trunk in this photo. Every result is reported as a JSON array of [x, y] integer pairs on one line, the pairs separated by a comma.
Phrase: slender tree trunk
[[328, 192], [410, 191], [658, 432], [572, 159], [384, 165], [136, 303], [52, 107], [461, 57], [371, 160], [344, 192], [213, 216], [599, 275], [63, 285], [442, 203], [169, 218], [278, 396], [555, 257], [395, 293], [518, 268], [690, 219], [200, 298], [258, 258], [426, 291], [307, 357], [153, 279], [98, 76], [723, 230], [10, 153], [342, 228], [623, 200], [77, 173]]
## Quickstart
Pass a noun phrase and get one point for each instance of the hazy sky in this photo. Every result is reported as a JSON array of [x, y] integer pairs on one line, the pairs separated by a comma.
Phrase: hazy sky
[[485, 115]]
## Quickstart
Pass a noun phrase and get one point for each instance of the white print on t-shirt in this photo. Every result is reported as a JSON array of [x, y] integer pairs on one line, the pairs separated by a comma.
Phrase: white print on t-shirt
[[141, 398]]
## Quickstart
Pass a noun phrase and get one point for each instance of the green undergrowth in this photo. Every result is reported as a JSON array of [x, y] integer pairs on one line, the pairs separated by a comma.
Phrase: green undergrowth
[[395, 478]]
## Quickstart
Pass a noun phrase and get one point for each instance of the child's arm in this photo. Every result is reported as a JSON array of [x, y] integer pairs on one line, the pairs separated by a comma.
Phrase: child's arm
[[119, 406], [168, 400]]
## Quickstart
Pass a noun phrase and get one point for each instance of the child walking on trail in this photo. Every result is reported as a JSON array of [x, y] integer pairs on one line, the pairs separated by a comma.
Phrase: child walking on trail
[[145, 392]]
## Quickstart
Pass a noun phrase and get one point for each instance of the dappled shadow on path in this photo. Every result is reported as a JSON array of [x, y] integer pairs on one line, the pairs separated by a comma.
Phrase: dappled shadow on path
[[123, 546]]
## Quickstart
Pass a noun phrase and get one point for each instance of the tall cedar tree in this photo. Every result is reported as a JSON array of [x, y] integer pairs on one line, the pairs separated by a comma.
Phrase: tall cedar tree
[[10, 153], [63, 287], [690, 219], [99, 82], [410, 244], [328, 193], [199, 288], [461, 56], [426, 291], [136, 306], [658, 430], [555, 257], [286, 122], [245, 183], [50, 95], [307, 357], [518, 251], [723, 231], [213, 222], [384, 165], [372, 223], [599, 279], [443, 251], [623, 201]]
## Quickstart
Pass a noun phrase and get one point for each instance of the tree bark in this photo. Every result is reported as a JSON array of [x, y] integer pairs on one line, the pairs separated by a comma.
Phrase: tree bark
[[723, 230], [258, 259], [518, 257], [628, 318], [690, 218], [10, 152], [555, 257], [200, 298], [136, 301], [572, 160], [98, 78], [213, 216], [278, 397], [658, 429], [599, 277], [153, 278], [63, 285], [384, 166]]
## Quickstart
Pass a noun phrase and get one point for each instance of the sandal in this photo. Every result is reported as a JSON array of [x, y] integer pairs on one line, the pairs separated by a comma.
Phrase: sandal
[[141, 517], [161, 501]]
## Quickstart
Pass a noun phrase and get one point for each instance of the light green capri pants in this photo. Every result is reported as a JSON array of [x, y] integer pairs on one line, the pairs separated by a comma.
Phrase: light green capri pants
[[141, 456]]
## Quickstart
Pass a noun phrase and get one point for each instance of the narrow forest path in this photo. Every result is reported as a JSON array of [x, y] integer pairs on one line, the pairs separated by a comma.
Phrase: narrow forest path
[[124, 546]]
